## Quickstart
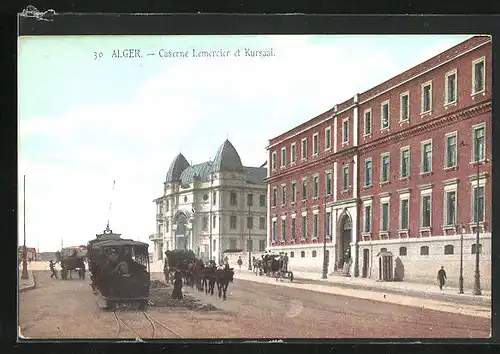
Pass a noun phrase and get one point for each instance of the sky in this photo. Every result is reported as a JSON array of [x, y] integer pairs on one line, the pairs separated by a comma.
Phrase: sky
[[86, 122]]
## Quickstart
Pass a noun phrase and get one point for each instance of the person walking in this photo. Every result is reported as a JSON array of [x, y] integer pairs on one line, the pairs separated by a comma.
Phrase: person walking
[[240, 262], [52, 269], [441, 277]]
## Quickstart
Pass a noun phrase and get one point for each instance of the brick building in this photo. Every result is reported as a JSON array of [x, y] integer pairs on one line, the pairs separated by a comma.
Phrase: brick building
[[391, 175]]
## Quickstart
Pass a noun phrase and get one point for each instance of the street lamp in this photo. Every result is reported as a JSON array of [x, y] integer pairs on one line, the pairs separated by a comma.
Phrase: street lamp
[[325, 264], [477, 284], [249, 246], [24, 275], [211, 203], [461, 277]]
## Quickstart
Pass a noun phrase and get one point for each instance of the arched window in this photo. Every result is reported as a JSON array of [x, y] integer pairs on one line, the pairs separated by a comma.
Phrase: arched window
[[302, 254], [473, 249], [424, 250], [448, 249], [292, 254], [314, 253], [402, 251]]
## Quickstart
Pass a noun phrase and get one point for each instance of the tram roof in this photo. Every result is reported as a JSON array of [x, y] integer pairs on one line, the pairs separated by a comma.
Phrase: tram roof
[[120, 242]]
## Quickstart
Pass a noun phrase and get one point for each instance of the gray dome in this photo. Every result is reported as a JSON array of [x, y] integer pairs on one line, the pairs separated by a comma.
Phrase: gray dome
[[199, 172], [227, 159], [176, 168]]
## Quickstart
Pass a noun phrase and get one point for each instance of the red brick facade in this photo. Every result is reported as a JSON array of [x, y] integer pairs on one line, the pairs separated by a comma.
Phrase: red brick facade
[[443, 87]]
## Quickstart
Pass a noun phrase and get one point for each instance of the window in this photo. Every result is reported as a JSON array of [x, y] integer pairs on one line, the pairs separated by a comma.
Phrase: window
[[233, 198], [328, 183], [304, 227], [283, 195], [328, 217], [273, 231], [304, 149], [479, 143], [315, 144], [384, 173], [214, 197], [451, 150], [167, 226], [294, 192], [424, 250], [304, 189], [274, 157], [314, 253], [402, 251], [262, 245], [262, 200], [427, 157], [315, 226], [448, 249], [302, 254], [294, 231], [167, 206], [214, 219], [205, 224], [385, 217], [478, 76], [283, 157], [293, 153], [426, 210], [368, 172], [450, 208], [345, 178], [404, 214], [368, 218], [233, 244], [283, 229], [249, 199], [316, 186], [328, 138], [450, 87], [405, 163], [292, 254], [426, 97], [478, 203], [232, 222], [474, 246], [367, 126], [214, 245], [345, 131], [262, 223], [250, 222], [384, 116], [404, 113], [275, 196]]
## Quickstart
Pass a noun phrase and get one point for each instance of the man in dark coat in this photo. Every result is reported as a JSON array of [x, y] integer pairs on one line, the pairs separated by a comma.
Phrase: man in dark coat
[[441, 277], [52, 269], [177, 292]]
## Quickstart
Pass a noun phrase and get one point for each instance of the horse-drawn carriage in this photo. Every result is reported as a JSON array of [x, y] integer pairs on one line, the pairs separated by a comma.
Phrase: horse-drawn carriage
[[195, 272], [119, 269], [72, 259], [272, 266]]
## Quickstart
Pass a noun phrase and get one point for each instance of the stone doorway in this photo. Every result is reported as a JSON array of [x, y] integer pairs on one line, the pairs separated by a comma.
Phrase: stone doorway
[[181, 232], [343, 241]]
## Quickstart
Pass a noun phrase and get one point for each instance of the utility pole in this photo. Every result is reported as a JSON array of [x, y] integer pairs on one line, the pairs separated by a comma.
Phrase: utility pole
[[249, 246], [325, 264], [477, 283], [24, 274], [461, 277], [210, 252]]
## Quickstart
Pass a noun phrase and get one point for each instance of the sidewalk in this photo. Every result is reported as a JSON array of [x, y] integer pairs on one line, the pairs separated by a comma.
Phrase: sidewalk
[[374, 290], [26, 284]]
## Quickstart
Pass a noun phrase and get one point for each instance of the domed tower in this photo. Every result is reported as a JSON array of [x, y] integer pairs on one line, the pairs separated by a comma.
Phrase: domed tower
[[176, 168], [227, 159]]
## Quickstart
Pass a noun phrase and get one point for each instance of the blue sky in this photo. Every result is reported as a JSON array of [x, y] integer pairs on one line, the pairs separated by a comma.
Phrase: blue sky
[[84, 123]]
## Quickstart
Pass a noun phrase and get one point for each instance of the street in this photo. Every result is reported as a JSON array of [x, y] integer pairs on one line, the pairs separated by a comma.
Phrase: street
[[68, 309]]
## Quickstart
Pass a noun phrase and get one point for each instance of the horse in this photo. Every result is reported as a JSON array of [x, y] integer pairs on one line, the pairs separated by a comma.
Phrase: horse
[[223, 277]]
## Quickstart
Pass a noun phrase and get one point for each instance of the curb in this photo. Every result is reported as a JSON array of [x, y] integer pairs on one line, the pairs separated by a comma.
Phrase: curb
[[31, 287], [479, 301]]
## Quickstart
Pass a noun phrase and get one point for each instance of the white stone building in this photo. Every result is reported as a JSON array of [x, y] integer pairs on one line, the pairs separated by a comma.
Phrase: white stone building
[[220, 202]]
